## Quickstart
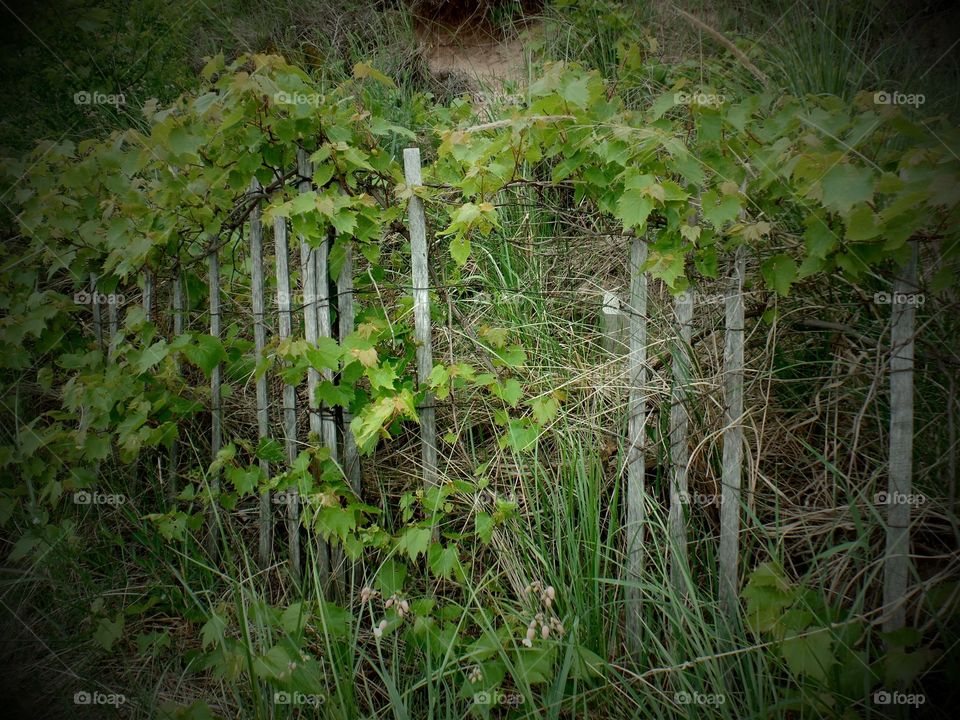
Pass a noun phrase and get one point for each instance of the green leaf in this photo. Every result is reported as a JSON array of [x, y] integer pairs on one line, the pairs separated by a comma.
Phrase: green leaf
[[444, 561], [336, 521], [150, 356], [845, 185], [414, 542], [484, 526], [325, 354], [212, 630], [809, 654], [779, 272], [819, 239], [544, 409], [460, 249], [108, 632], [510, 391], [390, 577], [206, 352], [633, 208], [270, 450]]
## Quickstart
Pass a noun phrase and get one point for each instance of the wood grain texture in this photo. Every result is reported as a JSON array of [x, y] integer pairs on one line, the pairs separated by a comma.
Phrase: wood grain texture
[[679, 442], [896, 566], [265, 520], [289, 400], [730, 478], [636, 441], [421, 314]]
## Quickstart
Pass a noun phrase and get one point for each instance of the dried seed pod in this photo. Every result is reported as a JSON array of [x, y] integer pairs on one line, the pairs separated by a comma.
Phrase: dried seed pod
[[389, 603], [544, 632], [551, 593], [528, 642]]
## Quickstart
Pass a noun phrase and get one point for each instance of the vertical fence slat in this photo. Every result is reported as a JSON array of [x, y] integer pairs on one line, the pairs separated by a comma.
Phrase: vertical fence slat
[[95, 308], [216, 412], [346, 313], [730, 497], [259, 344], [421, 314], [311, 329], [636, 429], [900, 474], [285, 326], [679, 444], [148, 291], [179, 308]]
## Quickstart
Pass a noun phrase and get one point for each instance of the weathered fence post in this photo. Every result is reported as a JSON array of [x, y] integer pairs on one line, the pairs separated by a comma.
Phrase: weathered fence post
[[679, 442], [730, 496], [896, 563], [216, 412], [421, 315], [95, 309], [636, 440], [285, 326], [148, 291], [614, 324], [346, 313], [179, 307], [312, 319], [259, 344]]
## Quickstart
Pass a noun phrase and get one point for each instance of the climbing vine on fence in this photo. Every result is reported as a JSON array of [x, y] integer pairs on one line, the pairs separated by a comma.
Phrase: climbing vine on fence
[[809, 185]]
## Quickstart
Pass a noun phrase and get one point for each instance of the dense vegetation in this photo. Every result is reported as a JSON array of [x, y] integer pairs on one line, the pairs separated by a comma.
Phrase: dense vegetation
[[137, 581]]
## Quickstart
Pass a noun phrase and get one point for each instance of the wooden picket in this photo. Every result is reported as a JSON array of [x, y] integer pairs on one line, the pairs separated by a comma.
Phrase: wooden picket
[[730, 497], [421, 314], [679, 443], [896, 564], [313, 314], [260, 342], [636, 440], [216, 412], [289, 402]]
